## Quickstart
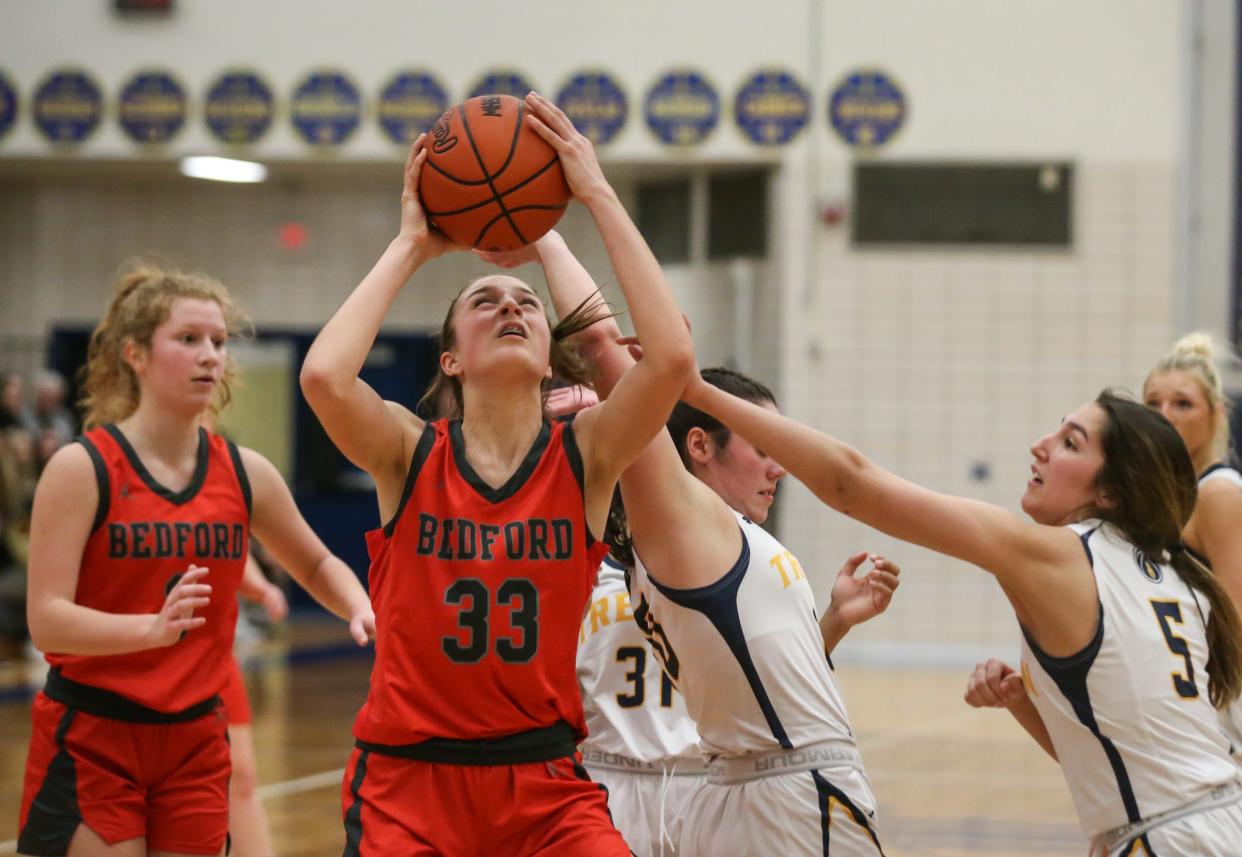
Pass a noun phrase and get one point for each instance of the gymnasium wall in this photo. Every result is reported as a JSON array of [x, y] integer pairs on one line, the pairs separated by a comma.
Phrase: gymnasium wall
[[943, 364]]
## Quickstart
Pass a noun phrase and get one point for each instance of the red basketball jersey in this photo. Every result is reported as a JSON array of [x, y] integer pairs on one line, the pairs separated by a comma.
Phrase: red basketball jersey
[[478, 594], [144, 536]]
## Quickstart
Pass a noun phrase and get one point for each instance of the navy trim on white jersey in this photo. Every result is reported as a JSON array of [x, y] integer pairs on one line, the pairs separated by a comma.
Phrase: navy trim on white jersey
[[1212, 468], [827, 790], [718, 602], [1085, 538], [1070, 675]]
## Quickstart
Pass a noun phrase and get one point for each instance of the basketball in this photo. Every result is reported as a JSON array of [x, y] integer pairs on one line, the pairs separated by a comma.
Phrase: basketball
[[490, 181]]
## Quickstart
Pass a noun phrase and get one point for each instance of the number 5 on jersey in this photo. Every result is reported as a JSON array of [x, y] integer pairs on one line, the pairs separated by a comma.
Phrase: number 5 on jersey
[[1171, 611]]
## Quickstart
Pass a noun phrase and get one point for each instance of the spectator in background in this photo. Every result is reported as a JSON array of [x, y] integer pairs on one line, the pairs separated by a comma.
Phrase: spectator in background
[[50, 413], [13, 410]]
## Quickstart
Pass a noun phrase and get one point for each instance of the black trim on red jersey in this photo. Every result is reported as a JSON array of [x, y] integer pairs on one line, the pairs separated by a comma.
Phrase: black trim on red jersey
[[570, 442], [515, 482], [101, 480], [104, 703], [353, 815], [242, 478], [177, 498], [572, 452], [535, 745], [425, 442], [54, 813]]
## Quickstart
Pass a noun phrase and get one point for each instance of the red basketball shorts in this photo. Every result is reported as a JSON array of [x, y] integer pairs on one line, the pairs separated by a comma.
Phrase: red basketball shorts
[[403, 806], [167, 782], [236, 702]]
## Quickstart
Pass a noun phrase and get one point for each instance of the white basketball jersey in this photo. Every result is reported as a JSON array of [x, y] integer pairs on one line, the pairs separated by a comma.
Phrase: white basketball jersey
[[633, 711], [746, 652], [1221, 471], [1129, 715], [1231, 715]]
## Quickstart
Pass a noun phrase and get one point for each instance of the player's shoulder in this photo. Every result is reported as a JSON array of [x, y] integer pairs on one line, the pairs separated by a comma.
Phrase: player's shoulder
[[71, 461]]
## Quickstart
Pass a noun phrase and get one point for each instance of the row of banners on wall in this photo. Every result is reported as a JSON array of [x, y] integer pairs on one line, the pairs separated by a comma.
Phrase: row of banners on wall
[[866, 108]]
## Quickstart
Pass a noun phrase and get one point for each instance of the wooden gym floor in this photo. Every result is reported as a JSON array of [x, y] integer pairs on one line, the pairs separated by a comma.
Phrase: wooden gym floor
[[952, 781]]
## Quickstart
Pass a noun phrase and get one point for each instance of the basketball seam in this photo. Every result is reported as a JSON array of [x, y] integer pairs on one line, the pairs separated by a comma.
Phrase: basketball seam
[[493, 221], [465, 124], [516, 187]]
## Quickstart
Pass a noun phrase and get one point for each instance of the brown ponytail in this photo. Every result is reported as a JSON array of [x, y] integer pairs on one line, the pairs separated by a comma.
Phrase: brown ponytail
[[1150, 481], [1224, 628]]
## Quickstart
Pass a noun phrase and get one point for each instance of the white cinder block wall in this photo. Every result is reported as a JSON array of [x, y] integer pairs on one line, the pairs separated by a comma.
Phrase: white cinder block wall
[[937, 363]]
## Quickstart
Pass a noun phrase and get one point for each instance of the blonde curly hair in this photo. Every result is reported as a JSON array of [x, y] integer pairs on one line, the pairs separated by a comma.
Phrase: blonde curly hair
[[143, 295]]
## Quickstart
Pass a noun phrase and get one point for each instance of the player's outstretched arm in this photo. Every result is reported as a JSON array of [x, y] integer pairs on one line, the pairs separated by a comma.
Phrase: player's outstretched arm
[[65, 504], [613, 434], [995, 684], [367, 430], [276, 521], [1043, 569]]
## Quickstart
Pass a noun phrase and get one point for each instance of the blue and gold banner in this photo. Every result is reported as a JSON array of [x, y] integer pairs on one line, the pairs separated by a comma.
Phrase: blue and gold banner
[[682, 108], [67, 106], [239, 107], [152, 107], [502, 82], [867, 108], [410, 104], [326, 108], [772, 107], [8, 104], [595, 104]]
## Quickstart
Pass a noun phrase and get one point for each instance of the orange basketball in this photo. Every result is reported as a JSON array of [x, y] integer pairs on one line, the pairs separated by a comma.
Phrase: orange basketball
[[490, 181]]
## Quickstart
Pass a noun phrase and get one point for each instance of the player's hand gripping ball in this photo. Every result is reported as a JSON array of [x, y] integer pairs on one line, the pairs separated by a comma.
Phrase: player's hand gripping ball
[[490, 181]]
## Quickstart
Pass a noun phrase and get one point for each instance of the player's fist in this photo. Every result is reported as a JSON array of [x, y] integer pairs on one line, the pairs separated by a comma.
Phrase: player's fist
[[994, 684]]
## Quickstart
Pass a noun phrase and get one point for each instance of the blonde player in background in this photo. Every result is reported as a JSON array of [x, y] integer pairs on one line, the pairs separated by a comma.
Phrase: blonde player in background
[[1185, 386]]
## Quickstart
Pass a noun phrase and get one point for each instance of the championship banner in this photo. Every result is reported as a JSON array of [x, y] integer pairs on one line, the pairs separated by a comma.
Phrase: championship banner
[[410, 104], [772, 107], [866, 108], [239, 107], [595, 104], [67, 106], [326, 108], [682, 108], [8, 104], [502, 82], [152, 107]]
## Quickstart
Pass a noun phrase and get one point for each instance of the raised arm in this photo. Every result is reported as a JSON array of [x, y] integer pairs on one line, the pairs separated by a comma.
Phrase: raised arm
[[663, 500], [276, 521], [377, 436], [1043, 570], [612, 435], [64, 509]]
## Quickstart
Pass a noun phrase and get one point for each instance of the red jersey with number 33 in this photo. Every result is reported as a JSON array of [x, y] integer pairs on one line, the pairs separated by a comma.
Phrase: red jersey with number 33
[[478, 593], [144, 537]]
